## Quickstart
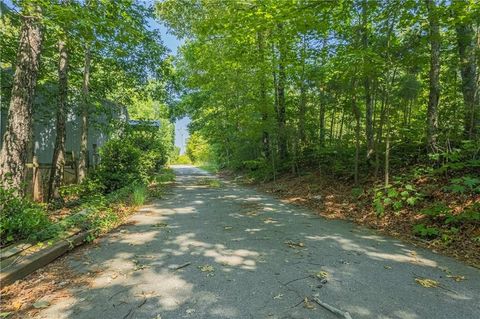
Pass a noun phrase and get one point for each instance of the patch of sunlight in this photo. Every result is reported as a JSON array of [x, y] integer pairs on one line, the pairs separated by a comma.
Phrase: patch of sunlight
[[350, 245], [253, 230], [359, 310], [139, 238], [224, 312]]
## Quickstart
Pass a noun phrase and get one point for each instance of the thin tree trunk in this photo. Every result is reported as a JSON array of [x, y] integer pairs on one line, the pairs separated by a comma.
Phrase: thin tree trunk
[[58, 160], [263, 97], [282, 136], [13, 155], [466, 49], [432, 112], [322, 123], [83, 158], [303, 98], [387, 150], [357, 114], [366, 84]]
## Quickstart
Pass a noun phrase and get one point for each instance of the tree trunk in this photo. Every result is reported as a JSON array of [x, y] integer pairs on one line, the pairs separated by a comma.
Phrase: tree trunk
[[366, 84], [303, 99], [466, 50], [263, 97], [282, 134], [83, 158], [58, 160], [432, 113], [13, 155], [357, 115]]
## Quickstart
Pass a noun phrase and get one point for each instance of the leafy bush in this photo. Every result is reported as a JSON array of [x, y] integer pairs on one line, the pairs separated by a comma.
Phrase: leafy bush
[[120, 164], [425, 231], [89, 186], [395, 197], [21, 218], [463, 185]]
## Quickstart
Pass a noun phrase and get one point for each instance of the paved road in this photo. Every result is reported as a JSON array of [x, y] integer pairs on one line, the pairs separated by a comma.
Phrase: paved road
[[231, 241]]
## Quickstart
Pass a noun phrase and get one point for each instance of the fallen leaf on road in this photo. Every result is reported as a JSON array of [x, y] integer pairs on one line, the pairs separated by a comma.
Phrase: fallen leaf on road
[[427, 283], [190, 311], [41, 304], [279, 296], [387, 267], [307, 304], [457, 278], [321, 274], [227, 227], [206, 268], [292, 244]]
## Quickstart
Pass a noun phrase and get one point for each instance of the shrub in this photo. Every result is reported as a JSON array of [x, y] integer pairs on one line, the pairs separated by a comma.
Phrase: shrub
[[120, 164], [21, 218]]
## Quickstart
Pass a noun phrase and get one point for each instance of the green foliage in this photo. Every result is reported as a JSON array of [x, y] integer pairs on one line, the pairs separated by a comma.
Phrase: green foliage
[[426, 231], [463, 185], [21, 218], [395, 197], [120, 164], [139, 194], [183, 160]]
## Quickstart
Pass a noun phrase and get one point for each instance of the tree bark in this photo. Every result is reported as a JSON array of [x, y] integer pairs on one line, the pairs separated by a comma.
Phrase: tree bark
[[282, 136], [468, 69], [58, 160], [263, 96], [13, 155], [366, 84], [434, 86], [83, 158]]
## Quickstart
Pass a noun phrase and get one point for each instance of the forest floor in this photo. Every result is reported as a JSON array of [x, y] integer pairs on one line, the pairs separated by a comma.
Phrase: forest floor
[[334, 198], [214, 249]]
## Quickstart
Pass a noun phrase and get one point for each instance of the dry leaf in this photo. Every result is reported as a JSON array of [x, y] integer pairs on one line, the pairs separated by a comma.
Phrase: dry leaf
[[307, 304], [321, 274], [427, 283], [279, 296], [41, 304], [206, 268], [457, 278]]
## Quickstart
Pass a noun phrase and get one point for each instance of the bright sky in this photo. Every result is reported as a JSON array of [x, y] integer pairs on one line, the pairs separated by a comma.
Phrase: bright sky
[[172, 43]]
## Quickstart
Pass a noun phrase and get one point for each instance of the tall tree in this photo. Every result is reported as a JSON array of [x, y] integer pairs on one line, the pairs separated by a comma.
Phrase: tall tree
[[13, 155], [83, 156], [468, 66], [434, 76], [58, 159]]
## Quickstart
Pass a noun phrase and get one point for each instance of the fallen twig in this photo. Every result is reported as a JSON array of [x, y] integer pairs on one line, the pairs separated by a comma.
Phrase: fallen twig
[[175, 268], [332, 309], [293, 280]]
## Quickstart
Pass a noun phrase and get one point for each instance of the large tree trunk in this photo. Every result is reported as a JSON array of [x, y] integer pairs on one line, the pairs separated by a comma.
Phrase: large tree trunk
[[366, 83], [83, 158], [468, 70], [432, 113], [58, 160], [13, 155]]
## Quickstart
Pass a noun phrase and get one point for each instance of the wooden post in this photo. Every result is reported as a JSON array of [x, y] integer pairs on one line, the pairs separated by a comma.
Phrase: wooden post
[[37, 181]]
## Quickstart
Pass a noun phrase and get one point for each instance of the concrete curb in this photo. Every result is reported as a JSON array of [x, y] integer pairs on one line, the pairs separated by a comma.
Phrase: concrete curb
[[36, 260]]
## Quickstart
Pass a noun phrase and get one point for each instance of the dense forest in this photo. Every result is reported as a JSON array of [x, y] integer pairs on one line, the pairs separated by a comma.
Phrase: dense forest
[[348, 85], [374, 103]]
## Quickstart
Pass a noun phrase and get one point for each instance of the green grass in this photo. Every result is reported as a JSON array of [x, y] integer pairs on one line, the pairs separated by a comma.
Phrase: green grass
[[209, 167]]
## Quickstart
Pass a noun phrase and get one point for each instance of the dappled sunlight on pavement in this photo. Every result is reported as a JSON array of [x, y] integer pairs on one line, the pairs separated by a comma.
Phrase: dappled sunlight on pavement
[[230, 252]]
